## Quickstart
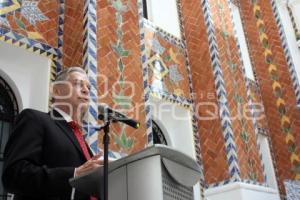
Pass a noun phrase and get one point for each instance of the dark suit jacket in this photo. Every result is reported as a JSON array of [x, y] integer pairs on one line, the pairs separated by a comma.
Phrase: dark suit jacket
[[40, 158]]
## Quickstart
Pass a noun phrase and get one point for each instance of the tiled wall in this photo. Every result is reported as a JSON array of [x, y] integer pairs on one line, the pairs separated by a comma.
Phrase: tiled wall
[[275, 84], [235, 84], [166, 64], [229, 72], [211, 138], [73, 33], [228, 146], [119, 59], [36, 20]]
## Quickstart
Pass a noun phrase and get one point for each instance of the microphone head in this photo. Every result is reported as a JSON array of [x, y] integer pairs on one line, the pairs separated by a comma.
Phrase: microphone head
[[105, 113], [103, 108]]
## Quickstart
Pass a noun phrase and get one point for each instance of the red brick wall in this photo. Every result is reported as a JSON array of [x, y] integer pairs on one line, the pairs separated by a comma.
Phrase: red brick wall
[[73, 33], [228, 51], [107, 66], [211, 137], [278, 138], [212, 140]]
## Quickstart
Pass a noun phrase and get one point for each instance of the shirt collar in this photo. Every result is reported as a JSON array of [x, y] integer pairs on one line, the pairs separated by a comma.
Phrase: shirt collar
[[64, 114]]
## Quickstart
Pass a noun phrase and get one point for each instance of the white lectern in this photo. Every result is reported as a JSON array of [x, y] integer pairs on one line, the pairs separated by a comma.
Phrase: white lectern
[[156, 173]]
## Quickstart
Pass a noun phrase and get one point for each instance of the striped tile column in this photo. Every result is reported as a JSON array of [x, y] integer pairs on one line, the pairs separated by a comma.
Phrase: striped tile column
[[90, 65], [61, 17], [145, 74], [226, 123]]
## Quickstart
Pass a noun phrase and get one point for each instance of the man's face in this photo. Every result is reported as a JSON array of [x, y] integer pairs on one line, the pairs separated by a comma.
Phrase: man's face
[[74, 92]]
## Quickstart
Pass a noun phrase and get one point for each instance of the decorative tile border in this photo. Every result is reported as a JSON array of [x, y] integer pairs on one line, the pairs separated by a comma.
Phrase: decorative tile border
[[230, 146], [162, 33], [295, 80], [90, 65], [145, 73], [180, 101], [61, 19], [31, 45], [28, 44]]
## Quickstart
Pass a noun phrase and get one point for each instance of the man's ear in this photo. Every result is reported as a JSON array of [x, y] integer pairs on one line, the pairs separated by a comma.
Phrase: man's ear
[[54, 90]]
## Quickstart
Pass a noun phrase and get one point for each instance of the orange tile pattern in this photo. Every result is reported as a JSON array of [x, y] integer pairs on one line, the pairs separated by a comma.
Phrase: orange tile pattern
[[249, 160], [278, 137], [44, 31], [73, 33], [172, 56], [211, 137], [108, 68]]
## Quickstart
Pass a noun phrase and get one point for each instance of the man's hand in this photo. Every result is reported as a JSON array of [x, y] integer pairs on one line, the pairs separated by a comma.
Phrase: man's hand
[[89, 165]]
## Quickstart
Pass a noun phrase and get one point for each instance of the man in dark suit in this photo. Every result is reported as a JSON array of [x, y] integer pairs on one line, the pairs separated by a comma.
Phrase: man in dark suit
[[45, 150]]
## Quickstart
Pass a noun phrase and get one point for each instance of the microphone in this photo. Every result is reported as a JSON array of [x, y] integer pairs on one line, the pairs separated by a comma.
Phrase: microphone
[[106, 112]]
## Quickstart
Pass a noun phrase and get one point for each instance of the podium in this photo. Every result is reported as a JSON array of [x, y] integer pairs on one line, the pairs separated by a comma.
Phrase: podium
[[155, 173]]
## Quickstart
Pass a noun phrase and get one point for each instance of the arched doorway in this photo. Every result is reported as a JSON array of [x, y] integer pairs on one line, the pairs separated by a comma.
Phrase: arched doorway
[[158, 135], [8, 111]]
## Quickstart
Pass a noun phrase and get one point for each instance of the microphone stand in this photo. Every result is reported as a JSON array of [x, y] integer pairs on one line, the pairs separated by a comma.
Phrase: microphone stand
[[105, 127]]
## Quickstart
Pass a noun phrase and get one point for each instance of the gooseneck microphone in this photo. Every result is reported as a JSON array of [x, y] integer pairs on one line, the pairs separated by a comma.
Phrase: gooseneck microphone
[[105, 111]]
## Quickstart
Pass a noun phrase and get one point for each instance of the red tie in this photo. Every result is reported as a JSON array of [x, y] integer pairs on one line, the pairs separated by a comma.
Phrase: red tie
[[79, 136]]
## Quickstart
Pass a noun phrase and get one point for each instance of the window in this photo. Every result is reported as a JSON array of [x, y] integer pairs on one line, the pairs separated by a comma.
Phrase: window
[[8, 111], [164, 14], [242, 42]]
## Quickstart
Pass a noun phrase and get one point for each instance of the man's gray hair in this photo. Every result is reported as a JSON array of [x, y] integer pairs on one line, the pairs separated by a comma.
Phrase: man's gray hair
[[64, 74]]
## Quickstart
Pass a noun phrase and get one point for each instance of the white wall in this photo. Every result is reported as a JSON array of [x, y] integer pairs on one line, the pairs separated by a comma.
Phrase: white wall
[[289, 31], [28, 74], [295, 6], [164, 14], [176, 124], [241, 191]]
